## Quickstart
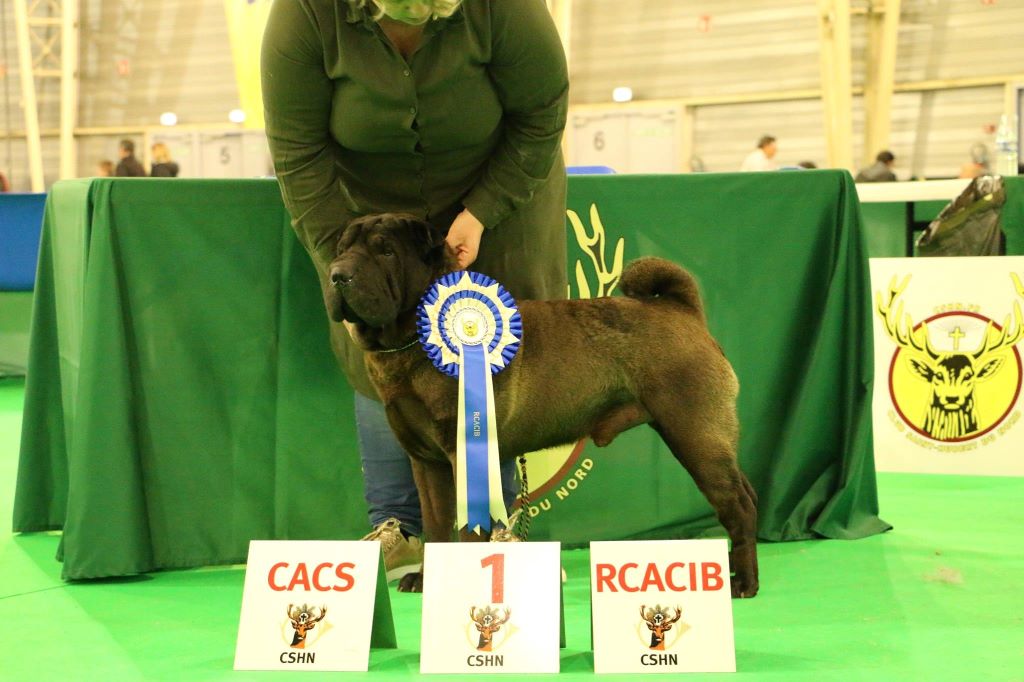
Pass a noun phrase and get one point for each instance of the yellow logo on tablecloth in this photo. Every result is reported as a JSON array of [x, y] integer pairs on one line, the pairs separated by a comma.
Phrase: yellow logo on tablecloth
[[556, 472]]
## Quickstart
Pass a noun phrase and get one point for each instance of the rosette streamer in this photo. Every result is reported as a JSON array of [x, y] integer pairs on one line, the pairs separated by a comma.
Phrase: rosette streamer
[[470, 328]]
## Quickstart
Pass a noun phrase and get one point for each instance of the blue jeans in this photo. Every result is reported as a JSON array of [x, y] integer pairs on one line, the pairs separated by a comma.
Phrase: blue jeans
[[387, 474]]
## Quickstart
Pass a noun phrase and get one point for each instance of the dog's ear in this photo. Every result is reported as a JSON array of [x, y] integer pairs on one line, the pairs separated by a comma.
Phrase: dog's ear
[[348, 234], [428, 238]]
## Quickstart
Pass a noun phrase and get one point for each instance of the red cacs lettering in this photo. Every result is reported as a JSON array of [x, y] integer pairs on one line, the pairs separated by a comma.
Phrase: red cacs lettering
[[675, 577], [325, 577]]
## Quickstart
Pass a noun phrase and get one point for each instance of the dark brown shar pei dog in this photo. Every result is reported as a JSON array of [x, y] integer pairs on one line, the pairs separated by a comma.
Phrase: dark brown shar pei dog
[[644, 358]]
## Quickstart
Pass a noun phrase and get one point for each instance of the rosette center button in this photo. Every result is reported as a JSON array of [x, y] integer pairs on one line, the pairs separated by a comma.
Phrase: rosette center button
[[470, 326]]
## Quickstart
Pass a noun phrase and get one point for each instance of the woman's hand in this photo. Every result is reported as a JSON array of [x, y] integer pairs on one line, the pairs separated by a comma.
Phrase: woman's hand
[[463, 239]]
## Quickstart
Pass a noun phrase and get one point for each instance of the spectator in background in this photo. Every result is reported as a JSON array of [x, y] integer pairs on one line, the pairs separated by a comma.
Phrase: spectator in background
[[105, 169], [807, 165], [880, 170], [128, 166], [162, 166], [978, 165], [762, 158]]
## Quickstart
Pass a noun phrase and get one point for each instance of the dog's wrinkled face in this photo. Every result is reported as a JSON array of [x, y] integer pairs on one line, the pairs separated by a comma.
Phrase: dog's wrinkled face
[[382, 265]]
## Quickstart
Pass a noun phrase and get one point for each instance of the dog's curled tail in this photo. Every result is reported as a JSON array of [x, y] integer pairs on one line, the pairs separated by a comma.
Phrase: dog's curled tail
[[653, 277]]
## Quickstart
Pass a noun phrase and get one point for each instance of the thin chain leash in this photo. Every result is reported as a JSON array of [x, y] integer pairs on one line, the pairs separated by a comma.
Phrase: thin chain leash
[[523, 522]]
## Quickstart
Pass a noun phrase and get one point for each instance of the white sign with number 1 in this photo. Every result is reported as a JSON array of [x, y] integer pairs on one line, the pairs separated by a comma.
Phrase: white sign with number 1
[[491, 608]]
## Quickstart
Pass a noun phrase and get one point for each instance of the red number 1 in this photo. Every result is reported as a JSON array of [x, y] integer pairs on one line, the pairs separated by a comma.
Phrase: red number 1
[[497, 564]]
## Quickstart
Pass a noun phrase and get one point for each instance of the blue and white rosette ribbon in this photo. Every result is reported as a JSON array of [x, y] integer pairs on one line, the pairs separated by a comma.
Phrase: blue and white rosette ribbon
[[470, 328]]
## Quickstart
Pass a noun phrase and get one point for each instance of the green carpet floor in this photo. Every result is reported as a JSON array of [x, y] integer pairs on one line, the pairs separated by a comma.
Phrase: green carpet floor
[[938, 598]]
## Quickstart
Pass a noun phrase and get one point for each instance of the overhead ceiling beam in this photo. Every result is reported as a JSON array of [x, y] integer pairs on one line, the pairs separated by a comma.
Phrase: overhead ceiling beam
[[28, 95], [836, 81], [883, 33]]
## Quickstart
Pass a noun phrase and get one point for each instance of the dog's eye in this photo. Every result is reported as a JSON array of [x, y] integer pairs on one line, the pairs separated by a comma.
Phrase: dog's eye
[[382, 247]]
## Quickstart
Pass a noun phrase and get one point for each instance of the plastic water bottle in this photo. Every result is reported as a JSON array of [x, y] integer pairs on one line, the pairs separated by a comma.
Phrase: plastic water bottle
[[1006, 145]]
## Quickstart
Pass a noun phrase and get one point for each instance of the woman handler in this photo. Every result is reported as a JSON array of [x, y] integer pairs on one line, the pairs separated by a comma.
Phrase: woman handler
[[450, 110]]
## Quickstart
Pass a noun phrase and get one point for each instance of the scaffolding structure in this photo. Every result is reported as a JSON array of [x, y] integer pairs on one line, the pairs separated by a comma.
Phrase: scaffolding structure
[[47, 35]]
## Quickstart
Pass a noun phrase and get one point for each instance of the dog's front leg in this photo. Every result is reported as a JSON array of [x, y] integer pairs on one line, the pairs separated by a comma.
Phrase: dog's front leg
[[436, 486]]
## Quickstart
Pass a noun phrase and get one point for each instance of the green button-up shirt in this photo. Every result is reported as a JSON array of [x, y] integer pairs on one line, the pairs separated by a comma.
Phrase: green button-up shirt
[[473, 118]]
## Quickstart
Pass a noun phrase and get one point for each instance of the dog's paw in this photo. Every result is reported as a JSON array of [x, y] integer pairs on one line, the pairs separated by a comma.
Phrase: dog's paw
[[742, 587], [411, 582]]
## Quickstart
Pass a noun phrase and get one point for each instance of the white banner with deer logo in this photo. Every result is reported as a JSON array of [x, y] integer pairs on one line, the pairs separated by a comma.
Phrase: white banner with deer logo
[[948, 336]]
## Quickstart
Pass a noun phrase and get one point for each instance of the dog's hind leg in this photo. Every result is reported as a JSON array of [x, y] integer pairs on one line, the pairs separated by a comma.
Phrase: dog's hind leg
[[711, 460], [436, 486]]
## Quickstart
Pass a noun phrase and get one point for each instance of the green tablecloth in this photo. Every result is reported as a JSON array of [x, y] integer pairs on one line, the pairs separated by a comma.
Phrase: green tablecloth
[[1012, 217], [182, 398]]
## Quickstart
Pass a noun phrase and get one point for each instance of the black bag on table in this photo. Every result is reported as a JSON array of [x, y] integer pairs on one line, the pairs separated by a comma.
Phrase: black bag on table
[[969, 226]]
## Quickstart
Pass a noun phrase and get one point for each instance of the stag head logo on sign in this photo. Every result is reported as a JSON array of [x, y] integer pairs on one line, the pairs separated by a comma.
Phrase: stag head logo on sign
[[947, 336], [488, 622], [956, 376], [303, 619], [660, 621]]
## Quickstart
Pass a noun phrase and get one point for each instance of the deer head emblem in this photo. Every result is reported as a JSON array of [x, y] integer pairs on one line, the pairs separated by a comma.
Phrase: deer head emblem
[[303, 621], [488, 622], [952, 413], [659, 622]]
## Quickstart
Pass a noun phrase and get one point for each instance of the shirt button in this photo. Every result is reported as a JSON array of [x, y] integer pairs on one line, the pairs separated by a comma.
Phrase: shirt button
[[406, 72], [412, 110]]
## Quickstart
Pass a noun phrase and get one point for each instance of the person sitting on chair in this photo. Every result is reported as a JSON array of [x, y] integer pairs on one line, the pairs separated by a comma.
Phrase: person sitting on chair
[[880, 170]]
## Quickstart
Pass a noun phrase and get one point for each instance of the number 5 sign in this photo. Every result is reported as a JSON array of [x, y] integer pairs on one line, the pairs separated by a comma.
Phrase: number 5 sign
[[491, 608]]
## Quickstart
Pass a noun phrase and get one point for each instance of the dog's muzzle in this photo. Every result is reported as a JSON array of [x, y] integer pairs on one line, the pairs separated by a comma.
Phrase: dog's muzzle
[[340, 277]]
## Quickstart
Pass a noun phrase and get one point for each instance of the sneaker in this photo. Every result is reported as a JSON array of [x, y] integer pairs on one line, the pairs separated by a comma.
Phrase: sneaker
[[402, 555], [507, 534]]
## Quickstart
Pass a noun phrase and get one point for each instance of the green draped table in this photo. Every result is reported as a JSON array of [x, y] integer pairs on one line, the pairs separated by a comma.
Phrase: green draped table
[[182, 398]]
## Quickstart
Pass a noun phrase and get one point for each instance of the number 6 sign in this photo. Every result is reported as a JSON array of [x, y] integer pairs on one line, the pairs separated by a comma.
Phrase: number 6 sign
[[491, 608]]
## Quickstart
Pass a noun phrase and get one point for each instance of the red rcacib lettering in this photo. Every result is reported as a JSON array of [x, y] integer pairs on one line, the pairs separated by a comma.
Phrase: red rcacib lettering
[[349, 579], [672, 585], [622, 578], [711, 575], [605, 573], [652, 578], [270, 576]]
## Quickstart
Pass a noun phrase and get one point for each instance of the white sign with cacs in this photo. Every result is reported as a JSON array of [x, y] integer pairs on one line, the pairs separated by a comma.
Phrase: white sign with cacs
[[948, 335], [312, 605], [661, 606]]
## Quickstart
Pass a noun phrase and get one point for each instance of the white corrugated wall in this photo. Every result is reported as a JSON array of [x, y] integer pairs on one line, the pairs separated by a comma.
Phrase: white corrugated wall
[[179, 59], [684, 49]]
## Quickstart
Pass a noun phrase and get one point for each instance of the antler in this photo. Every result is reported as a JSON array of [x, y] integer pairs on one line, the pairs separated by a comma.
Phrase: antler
[[508, 614], [594, 246], [679, 614], [909, 338], [1005, 339]]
